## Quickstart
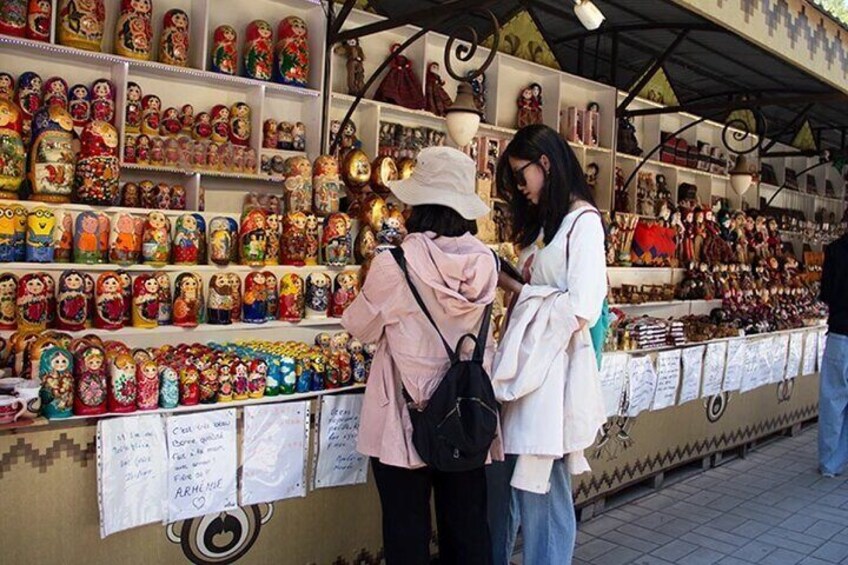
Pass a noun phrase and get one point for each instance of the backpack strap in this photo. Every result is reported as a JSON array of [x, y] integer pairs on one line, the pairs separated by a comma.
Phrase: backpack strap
[[587, 210]]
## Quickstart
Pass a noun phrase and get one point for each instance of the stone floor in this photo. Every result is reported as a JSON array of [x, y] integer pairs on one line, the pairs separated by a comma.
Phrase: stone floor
[[771, 507]]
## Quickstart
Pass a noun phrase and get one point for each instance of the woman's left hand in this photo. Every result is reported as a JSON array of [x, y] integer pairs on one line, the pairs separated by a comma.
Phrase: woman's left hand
[[509, 284]]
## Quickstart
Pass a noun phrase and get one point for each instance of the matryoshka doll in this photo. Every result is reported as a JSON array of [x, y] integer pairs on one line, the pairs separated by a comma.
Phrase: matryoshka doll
[[148, 191], [169, 387], [123, 392], [223, 233], [104, 228], [187, 118], [71, 302], [55, 92], [257, 378], [225, 50], [133, 108], [20, 215], [272, 296], [326, 185], [39, 19], [298, 184], [162, 198], [285, 136], [235, 287], [202, 130], [41, 223], [142, 149], [174, 41], [156, 241], [220, 123], [292, 52], [173, 152], [134, 31], [178, 197], [164, 281], [240, 127], [151, 114], [346, 289], [7, 86], [258, 50], [98, 167], [8, 301], [188, 290], [357, 361], [79, 105], [51, 163], [186, 246], [317, 295], [241, 380], [81, 23], [50, 286], [147, 385], [33, 303], [90, 380], [63, 238], [103, 101], [13, 155], [341, 358], [224, 368], [208, 383], [157, 151], [189, 386], [87, 239], [170, 124], [28, 97], [273, 235], [109, 302], [13, 18], [202, 251], [336, 240], [269, 134], [294, 240], [219, 307], [127, 291], [56, 372], [252, 239], [145, 305], [89, 285], [255, 305], [123, 241]]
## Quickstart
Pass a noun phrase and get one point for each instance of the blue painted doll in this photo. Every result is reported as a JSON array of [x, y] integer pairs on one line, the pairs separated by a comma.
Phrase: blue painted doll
[[41, 223]]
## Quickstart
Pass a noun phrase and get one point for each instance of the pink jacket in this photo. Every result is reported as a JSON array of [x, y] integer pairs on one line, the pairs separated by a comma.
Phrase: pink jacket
[[456, 278]]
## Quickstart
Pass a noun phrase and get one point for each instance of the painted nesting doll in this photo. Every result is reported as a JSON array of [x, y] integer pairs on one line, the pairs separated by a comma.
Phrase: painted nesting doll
[[103, 101], [145, 305], [51, 164], [13, 18], [147, 385], [272, 296], [225, 50], [345, 290], [202, 130], [336, 240], [174, 41], [252, 238], [294, 240], [123, 241], [240, 126], [292, 52], [318, 289], [56, 373], [134, 31], [109, 302], [8, 301], [133, 108], [235, 287], [29, 99], [202, 248], [87, 239], [90, 381], [123, 392], [39, 17], [209, 384], [12, 154], [273, 235], [225, 380], [41, 223], [241, 380], [189, 386], [81, 23], [257, 378], [127, 291], [79, 105], [19, 223], [326, 185], [188, 290], [98, 168], [223, 233], [186, 247], [169, 123], [7, 86], [298, 184], [313, 240], [71, 302], [219, 307], [55, 92], [63, 238], [357, 361], [148, 191], [142, 149], [220, 123], [164, 281], [269, 134], [104, 227], [258, 50], [169, 387], [178, 197], [90, 285], [156, 240], [151, 118], [255, 306]]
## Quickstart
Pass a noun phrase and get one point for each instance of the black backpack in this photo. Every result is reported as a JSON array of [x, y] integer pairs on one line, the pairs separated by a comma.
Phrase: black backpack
[[455, 430]]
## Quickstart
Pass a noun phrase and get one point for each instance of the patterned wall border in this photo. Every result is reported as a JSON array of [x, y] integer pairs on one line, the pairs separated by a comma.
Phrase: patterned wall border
[[24, 452]]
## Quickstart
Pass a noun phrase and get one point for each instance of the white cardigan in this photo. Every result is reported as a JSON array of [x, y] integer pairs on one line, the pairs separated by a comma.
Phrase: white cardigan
[[549, 384]]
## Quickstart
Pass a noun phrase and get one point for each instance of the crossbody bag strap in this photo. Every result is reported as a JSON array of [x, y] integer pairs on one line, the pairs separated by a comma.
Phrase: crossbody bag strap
[[571, 229], [483, 336]]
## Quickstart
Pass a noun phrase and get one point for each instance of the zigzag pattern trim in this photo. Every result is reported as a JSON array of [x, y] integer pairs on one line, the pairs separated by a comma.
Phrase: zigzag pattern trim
[[24, 451]]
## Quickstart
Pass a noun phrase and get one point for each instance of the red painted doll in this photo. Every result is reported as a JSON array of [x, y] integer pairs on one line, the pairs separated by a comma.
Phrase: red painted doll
[[109, 302], [90, 381], [147, 385], [122, 384], [33, 303], [258, 50], [72, 303], [145, 310]]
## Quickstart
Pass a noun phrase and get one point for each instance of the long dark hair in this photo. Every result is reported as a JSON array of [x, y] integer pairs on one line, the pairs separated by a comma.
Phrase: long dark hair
[[564, 182], [443, 221]]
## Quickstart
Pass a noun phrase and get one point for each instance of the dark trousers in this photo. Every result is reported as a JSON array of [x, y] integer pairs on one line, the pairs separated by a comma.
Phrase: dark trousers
[[461, 515]]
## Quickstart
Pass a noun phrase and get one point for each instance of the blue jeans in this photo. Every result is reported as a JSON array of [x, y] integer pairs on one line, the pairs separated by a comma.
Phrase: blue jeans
[[833, 406], [548, 524]]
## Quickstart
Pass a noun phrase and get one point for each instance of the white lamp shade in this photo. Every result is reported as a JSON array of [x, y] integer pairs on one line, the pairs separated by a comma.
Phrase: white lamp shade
[[462, 126], [588, 14], [741, 182]]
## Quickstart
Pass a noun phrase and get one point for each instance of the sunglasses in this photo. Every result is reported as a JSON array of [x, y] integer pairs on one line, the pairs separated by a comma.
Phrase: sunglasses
[[518, 174]]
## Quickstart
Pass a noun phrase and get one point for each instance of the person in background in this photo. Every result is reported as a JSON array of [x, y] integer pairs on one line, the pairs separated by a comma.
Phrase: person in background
[[833, 390], [456, 274], [546, 372]]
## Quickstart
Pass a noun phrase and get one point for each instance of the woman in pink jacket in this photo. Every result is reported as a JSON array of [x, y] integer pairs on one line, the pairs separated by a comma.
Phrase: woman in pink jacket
[[456, 276]]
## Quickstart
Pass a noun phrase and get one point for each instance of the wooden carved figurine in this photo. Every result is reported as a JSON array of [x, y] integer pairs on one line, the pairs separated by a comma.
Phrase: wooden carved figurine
[[90, 381], [109, 302], [174, 41], [51, 163], [134, 31], [41, 223], [12, 155], [292, 298], [258, 50], [254, 306], [224, 50], [186, 245], [122, 384], [252, 238], [188, 292], [98, 168], [81, 24], [220, 304], [156, 240], [145, 306], [317, 295], [38, 20], [355, 65], [292, 52], [56, 373], [71, 302]]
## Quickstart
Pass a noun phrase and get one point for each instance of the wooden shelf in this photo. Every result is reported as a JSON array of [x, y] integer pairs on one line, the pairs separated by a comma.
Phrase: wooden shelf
[[660, 164], [34, 267], [71, 207], [201, 172], [711, 303]]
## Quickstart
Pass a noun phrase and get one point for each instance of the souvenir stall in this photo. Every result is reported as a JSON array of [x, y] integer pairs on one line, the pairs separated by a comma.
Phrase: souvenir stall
[[192, 194]]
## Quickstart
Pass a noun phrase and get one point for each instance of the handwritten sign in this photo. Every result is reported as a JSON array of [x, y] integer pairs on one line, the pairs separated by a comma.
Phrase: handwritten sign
[[693, 365], [338, 462], [796, 350], [201, 464], [821, 342], [668, 379], [752, 366], [810, 354], [131, 472], [714, 362], [779, 352], [613, 376], [274, 452], [641, 386], [736, 351]]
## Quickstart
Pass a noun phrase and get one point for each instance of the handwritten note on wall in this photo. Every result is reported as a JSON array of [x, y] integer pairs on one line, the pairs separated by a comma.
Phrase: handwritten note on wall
[[779, 352], [131, 472], [821, 342], [338, 462], [274, 450], [693, 364], [642, 382], [810, 353], [736, 352], [751, 366], [613, 377], [201, 464], [668, 379], [714, 363], [796, 351]]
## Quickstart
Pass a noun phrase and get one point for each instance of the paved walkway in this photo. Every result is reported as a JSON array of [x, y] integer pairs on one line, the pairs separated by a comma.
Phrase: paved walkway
[[772, 507]]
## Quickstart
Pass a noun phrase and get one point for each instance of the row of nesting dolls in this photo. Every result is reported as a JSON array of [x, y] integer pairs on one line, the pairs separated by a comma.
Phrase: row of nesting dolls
[[90, 377], [187, 154], [115, 300], [56, 173]]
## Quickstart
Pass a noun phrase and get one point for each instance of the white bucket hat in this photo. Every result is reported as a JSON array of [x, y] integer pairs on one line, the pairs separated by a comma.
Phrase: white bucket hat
[[443, 176]]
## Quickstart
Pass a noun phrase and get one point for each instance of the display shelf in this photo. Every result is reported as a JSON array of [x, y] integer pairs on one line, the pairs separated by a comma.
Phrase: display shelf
[[662, 165], [33, 267], [71, 207], [201, 172], [708, 303]]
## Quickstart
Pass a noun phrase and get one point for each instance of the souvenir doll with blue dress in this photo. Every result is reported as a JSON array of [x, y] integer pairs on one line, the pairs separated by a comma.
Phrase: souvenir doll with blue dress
[[169, 387], [357, 361], [39, 242], [255, 305], [56, 373], [292, 52], [318, 290], [52, 159], [186, 243]]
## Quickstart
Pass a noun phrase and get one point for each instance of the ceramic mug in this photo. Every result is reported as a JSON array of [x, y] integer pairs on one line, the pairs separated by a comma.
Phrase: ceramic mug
[[11, 407], [29, 393]]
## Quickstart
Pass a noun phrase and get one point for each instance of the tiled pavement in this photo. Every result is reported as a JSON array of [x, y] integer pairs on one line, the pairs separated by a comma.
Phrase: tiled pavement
[[771, 508]]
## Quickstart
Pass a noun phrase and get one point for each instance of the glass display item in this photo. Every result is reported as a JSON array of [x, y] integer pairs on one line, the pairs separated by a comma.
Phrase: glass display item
[[220, 303], [318, 290], [188, 301], [292, 298], [12, 152], [134, 30], [156, 240], [91, 381], [52, 159], [252, 238], [298, 184], [292, 52], [71, 302], [254, 305], [81, 24], [56, 373], [147, 385], [174, 40], [41, 223], [109, 302], [225, 50], [326, 185], [336, 240], [98, 168], [13, 18], [145, 302], [258, 50], [186, 245], [87, 238], [122, 384]]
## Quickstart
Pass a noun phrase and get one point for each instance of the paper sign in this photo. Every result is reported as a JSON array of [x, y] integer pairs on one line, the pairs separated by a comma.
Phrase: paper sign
[[810, 354], [780, 349], [796, 350], [693, 364], [714, 361], [735, 368], [642, 384], [668, 379], [613, 376], [201, 464], [752, 367], [821, 344], [763, 363], [274, 450], [132, 461], [338, 462]]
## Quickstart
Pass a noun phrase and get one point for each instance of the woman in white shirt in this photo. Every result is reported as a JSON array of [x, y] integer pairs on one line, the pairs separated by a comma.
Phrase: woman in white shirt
[[561, 237]]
